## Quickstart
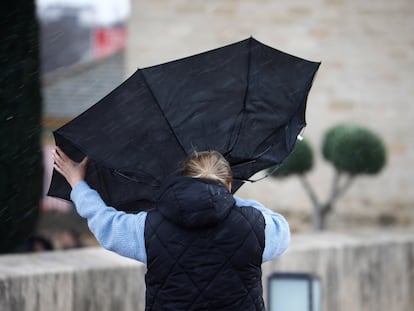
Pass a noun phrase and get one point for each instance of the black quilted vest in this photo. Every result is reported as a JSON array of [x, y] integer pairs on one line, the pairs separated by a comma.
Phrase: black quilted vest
[[203, 251]]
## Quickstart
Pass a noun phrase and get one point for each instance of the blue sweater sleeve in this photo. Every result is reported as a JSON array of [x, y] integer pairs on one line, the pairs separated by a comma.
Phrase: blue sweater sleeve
[[116, 231], [277, 231]]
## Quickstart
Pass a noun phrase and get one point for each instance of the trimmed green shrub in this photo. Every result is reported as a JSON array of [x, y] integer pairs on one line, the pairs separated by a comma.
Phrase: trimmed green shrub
[[299, 162], [354, 150]]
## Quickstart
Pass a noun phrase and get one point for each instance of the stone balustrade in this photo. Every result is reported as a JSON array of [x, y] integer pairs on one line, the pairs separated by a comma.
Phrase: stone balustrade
[[359, 271]]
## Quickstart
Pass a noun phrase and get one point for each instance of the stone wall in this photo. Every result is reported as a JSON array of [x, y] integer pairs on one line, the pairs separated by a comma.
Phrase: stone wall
[[359, 271], [366, 77], [80, 280], [366, 271]]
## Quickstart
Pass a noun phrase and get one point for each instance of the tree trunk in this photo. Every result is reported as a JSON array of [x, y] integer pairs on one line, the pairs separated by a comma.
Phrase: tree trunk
[[318, 220], [320, 213], [20, 126]]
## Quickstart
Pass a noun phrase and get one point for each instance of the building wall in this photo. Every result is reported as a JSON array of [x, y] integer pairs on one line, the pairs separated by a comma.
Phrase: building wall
[[366, 77], [359, 271]]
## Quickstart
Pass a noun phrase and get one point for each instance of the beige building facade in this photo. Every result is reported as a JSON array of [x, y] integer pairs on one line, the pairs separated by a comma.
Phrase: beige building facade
[[366, 78]]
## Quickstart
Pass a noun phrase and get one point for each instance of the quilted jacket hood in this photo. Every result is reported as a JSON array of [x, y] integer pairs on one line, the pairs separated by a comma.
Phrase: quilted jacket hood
[[193, 202]]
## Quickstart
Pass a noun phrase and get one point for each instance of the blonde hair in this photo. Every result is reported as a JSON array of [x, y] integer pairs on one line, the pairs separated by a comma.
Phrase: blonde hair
[[209, 165]]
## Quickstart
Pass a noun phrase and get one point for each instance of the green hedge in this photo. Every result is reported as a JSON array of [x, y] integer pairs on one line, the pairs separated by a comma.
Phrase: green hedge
[[20, 153]]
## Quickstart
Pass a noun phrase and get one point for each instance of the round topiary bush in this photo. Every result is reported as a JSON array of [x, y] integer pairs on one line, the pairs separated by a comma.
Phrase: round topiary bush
[[298, 162], [354, 150], [328, 141]]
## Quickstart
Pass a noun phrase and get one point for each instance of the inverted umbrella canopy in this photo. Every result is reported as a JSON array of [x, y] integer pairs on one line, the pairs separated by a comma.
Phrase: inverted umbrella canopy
[[245, 100]]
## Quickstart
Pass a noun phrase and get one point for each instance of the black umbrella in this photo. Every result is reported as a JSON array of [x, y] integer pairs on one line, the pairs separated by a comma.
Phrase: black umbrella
[[245, 100]]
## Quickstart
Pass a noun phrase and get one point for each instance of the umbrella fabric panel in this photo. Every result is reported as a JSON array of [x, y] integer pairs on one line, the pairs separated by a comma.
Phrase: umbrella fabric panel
[[274, 111], [123, 128], [120, 134], [202, 96]]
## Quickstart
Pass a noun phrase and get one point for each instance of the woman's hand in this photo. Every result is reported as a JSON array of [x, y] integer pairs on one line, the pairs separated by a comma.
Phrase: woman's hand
[[73, 172]]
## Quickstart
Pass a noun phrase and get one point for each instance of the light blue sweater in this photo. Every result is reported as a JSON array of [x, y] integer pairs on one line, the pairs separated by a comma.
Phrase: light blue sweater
[[124, 233]]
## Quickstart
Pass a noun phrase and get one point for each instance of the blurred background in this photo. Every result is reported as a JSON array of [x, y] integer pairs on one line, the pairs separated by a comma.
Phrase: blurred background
[[59, 57], [88, 47], [82, 46], [366, 78]]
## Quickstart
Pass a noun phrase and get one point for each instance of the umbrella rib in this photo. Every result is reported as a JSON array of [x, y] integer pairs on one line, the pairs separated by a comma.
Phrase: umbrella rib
[[247, 74], [246, 91], [162, 111]]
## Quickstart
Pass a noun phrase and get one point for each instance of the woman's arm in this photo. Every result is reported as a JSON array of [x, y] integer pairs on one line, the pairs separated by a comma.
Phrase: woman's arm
[[277, 231], [117, 231], [72, 171]]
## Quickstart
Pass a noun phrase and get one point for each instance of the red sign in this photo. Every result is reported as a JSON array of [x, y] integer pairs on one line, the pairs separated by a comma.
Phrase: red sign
[[108, 41]]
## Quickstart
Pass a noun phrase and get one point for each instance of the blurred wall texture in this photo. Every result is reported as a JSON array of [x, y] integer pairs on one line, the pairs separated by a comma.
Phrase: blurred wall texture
[[366, 78], [359, 271]]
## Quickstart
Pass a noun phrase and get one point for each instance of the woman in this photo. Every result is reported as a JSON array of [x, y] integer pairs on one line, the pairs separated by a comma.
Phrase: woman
[[203, 247]]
